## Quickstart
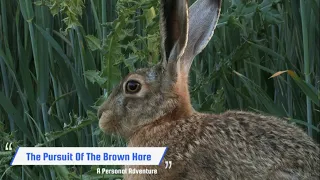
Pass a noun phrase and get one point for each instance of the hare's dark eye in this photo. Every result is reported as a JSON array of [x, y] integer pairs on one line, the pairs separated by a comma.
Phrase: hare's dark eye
[[132, 87]]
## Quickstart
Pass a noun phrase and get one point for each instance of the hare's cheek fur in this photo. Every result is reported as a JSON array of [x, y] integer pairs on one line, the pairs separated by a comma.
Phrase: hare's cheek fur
[[140, 111]]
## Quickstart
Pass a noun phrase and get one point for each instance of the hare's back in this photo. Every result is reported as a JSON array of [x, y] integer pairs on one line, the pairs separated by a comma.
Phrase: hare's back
[[240, 145]]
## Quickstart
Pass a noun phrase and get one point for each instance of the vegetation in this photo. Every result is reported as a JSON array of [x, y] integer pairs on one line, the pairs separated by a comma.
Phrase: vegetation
[[58, 57]]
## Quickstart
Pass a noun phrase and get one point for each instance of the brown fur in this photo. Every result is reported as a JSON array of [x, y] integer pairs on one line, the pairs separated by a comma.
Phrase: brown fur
[[233, 145]]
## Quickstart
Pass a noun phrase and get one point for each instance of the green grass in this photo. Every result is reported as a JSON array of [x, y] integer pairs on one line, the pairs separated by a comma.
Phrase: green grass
[[58, 57]]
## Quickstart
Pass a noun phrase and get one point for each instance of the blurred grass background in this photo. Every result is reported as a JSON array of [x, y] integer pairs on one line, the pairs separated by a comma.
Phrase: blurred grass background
[[58, 57]]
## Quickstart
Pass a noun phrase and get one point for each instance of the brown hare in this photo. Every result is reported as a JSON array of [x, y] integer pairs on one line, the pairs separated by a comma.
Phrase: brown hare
[[151, 107]]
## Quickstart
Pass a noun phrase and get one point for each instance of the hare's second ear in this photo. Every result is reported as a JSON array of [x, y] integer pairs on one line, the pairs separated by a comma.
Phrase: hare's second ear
[[174, 30], [203, 18]]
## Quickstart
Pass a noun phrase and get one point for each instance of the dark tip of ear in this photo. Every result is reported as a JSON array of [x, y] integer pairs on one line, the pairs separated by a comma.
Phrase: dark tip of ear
[[174, 17], [170, 16], [218, 2]]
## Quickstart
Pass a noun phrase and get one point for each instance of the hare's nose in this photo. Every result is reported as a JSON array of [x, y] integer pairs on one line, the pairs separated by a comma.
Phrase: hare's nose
[[99, 113]]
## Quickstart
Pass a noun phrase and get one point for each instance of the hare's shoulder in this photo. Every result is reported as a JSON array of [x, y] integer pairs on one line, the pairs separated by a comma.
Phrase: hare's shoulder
[[180, 138]]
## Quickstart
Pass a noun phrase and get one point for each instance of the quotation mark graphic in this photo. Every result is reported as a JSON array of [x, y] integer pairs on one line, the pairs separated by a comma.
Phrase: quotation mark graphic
[[168, 164], [8, 147]]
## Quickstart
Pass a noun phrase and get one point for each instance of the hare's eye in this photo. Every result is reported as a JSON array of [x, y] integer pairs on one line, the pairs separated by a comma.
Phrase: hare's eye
[[133, 86]]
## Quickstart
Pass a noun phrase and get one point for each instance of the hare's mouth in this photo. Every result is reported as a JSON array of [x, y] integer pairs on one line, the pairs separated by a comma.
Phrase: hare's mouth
[[107, 122]]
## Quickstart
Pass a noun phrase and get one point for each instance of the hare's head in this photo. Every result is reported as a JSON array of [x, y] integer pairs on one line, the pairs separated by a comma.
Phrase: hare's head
[[161, 91]]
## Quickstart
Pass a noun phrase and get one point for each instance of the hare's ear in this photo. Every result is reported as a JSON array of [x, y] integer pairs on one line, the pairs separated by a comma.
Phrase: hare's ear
[[174, 33], [203, 18]]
